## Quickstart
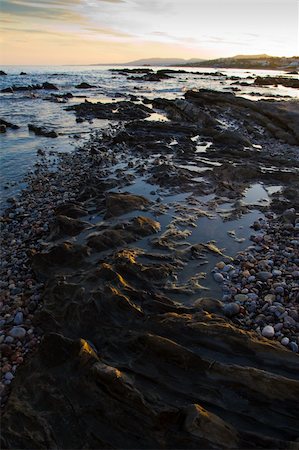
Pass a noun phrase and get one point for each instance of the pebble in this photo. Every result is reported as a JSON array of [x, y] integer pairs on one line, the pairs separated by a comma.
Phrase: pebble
[[294, 347], [285, 341], [8, 376], [268, 331], [17, 332], [231, 309], [241, 298], [19, 317], [264, 276], [218, 277]]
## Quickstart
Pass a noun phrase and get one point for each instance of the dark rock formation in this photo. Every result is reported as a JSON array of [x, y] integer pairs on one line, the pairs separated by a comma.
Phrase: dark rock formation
[[118, 204], [73, 210], [49, 86], [41, 131], [151, 77], [117, 111], [34, 87], [284, 81], [84, 86], [123, 233], [2, 73], [8, 124], [125, 367]]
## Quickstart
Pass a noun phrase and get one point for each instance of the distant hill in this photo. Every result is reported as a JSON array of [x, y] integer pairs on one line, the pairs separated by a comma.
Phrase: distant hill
[[250, 62], [262, 56], [163, 62], [157, 62]]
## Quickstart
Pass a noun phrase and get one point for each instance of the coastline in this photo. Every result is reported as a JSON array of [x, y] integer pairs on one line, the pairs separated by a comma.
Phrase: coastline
[[90, 239]]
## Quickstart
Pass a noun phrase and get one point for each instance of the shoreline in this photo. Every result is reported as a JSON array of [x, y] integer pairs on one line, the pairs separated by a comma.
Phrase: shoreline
[[71, 220]]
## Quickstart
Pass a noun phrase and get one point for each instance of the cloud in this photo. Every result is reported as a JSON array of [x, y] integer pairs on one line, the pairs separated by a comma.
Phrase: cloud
[[61, 10]]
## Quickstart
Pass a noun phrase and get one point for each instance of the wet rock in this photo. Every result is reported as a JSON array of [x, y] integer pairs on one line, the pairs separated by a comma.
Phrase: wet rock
[[8, 124], [49, 86], [2, 128], [2, 73], [66, 254], [84, 86], [210, 305], [199, 422], [123, 110], [218, 277], [64, 225], [231, 309], [123, 233], [122, 203], [283, 81], [41, 131], [73, 210]]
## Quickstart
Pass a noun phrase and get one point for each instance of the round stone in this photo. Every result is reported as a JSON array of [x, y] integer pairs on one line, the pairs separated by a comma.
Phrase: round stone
[[231, 309], [268, 331], [8, 376], [251, 279], [269, 298], [218, 277], [220, 265], [19, 317], [276, 273], [285, 341], [294, 347], [264, 276], [241, 298], [295, 274], [17, 332]]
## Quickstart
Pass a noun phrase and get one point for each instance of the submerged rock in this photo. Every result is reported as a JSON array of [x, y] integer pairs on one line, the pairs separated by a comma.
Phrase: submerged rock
[[8, 124], [41, 131], [84, 86]]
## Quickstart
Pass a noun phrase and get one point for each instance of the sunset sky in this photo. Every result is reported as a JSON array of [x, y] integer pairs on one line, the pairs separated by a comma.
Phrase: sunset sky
[[110, 31]]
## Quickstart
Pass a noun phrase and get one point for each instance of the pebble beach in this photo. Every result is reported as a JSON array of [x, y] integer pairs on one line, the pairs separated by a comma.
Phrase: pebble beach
[[70, 204]]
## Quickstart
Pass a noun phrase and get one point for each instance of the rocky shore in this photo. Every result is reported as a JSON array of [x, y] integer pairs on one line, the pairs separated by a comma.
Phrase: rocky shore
[[110, 336]]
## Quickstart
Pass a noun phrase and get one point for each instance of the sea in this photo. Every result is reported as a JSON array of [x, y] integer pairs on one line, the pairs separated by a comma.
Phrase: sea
[[18, 148]]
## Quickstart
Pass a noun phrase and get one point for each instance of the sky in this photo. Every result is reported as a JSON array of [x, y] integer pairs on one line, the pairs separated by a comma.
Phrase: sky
[[112, 31]]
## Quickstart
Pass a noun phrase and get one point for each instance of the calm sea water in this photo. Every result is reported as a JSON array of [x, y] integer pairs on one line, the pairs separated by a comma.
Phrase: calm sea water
[[18, 147]]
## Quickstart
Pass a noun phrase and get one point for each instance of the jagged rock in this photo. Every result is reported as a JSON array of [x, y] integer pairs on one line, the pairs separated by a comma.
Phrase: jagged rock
[[64, 225], [67, 254], [284, 81], [2, 73], [41, 131], [8, 124], [123, 233], [122, 203], [133, 376], [71, 210], [84, 86], [123, 110], [49, 86]]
